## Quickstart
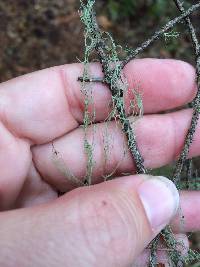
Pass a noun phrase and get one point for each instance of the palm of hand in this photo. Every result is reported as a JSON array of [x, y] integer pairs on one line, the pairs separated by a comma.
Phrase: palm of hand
[[47, 106]]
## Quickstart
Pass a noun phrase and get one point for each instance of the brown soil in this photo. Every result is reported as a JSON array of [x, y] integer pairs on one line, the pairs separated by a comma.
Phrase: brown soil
[[36, 34]]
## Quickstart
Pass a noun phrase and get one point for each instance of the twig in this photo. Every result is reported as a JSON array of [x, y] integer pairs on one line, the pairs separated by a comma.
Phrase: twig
[[175, 255], [153, 260], [167, 234], [91, 80], [195, 117], [112, 77], [191, 28], [160, 32]]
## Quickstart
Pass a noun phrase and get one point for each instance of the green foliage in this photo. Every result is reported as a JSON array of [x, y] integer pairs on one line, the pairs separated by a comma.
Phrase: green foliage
[[123, 8], [126, 8], [156, 9], [159, 8]]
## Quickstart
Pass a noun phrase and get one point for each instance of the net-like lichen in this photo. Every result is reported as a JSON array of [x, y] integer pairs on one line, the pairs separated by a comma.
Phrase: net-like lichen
[[104, 47]]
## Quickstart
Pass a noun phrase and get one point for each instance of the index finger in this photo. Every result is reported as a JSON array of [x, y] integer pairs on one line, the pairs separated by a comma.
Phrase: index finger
[[47, 104]]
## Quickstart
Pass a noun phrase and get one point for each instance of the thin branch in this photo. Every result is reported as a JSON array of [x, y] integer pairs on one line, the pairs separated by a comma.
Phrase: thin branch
[[112, 77], [153, 260], [91, 80], [160, 32], [196, 114], [174, 253], [191, 28]]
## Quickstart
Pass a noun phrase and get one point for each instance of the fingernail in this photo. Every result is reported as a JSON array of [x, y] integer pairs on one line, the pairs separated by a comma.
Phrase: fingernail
[[160, 199]]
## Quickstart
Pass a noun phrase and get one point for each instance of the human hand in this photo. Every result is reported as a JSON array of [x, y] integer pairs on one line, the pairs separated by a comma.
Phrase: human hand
[[108, 224]]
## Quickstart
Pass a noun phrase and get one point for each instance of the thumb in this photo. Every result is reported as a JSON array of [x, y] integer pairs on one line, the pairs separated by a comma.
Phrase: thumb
[[103, 225]]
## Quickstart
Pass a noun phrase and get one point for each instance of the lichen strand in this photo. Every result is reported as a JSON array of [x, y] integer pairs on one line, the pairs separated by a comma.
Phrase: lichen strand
[[176, 258], [153, 259], [59, 163], [112, 69], [174, 248], [106, 49], [196, 102], [156, 36], [185, 151]]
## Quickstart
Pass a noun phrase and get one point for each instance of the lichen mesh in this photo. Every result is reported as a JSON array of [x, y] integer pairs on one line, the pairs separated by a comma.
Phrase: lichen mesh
[[101, 45]]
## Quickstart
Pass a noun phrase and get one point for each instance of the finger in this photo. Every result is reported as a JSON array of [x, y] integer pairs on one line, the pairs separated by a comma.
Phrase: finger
[[42, 112], [80, 228], [34, 191], [188, 219], [160, 139], [160, 83], [49, 103], [15, 159]]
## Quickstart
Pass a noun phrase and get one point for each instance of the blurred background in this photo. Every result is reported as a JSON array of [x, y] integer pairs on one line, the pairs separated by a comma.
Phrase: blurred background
[[36, 34]]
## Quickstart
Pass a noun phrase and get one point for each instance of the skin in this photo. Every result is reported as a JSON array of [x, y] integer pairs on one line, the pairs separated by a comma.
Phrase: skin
[[78, 229]]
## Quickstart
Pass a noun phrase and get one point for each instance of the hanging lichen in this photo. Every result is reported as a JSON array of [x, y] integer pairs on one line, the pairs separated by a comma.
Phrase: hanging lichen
[[103, 44]]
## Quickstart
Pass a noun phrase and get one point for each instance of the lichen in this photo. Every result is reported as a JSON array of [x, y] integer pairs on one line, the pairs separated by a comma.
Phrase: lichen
[[103, 45]]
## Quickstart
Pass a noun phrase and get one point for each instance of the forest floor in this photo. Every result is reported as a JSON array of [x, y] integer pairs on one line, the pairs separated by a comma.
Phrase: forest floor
[[36, 34]]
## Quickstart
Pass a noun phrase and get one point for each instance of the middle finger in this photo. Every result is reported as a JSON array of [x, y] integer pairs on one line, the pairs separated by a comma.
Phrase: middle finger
[[160, 139]]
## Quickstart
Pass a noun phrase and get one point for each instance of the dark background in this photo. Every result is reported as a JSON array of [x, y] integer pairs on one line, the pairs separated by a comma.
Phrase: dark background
[[36, 34]]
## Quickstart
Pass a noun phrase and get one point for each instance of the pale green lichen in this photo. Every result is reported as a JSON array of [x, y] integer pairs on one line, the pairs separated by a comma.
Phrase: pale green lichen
[[59, 163], [104, 45]]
